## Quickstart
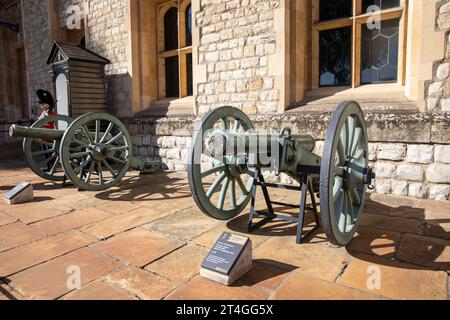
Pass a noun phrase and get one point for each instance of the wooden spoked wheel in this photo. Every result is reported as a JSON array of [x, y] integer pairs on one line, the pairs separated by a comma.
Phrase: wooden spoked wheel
[[343, 176], [96, 151], [42, 155], [221, 185]]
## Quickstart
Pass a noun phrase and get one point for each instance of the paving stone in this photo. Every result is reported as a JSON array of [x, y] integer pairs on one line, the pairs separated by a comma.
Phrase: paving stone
[[184, 225], [118, 207], [208, 239], [71, 221], [321, 261], [143, 284], [17, 234], [266, 275], [126, 221], [408, 212], [425, 251], [99, 291], [302, 287], [374, 207], [374, 241], [37, 211], [391, 223], [398, 280], [8, 294], [437, 222], [31, 254], [393, 201], [6, 219], [203, 289], [181, 265], [49, 280], [170, 201], [139, 247]]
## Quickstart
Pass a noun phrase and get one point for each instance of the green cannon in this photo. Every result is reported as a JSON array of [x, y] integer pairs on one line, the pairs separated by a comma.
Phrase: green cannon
[[228, 156], [94, 151]]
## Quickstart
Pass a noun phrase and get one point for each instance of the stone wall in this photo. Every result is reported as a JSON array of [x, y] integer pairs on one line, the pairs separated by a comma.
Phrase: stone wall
[[417, 166], [236, 40], [39, 40], [438, 89]]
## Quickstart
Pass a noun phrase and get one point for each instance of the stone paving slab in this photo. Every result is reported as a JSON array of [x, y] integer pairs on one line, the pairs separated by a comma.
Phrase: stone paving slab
[[146, 239]]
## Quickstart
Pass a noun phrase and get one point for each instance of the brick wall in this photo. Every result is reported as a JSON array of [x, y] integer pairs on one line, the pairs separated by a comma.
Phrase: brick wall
[[236, 40]]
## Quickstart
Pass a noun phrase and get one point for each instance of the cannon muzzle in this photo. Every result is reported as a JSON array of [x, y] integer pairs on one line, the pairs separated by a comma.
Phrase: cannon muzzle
[[38, 133]]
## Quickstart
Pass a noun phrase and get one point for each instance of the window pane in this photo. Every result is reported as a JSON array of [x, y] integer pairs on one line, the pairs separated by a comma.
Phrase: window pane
[[172, 78], [190, 91], [335, 9], [379, 53], [382, 4], [335, 57], [171, 29], [188, 17]]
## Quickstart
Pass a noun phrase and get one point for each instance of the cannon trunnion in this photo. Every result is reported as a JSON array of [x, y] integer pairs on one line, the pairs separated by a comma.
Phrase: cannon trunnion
[[227, 158], [94, 151]]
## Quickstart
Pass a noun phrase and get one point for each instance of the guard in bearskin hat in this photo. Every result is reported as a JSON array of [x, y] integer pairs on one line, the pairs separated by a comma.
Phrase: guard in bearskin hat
[[47, 105]]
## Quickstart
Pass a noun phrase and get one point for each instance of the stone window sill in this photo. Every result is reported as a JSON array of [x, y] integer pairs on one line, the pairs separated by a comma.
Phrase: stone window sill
[[376, 97]]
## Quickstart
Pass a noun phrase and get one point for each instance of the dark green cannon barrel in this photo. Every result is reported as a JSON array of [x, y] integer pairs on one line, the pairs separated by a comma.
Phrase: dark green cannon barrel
[[38, 133]]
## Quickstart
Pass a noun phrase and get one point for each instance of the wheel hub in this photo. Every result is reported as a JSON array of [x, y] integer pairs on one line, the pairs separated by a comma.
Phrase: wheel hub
[[99, 152]]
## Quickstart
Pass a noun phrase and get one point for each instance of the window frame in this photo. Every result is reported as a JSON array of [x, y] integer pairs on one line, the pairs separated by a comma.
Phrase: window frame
[[356, 21], [182, 51]]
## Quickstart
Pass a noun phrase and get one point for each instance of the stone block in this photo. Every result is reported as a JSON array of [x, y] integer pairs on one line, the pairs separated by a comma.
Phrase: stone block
[[420, 153], [439, 192], [399, 188], [443, 71], [417, 190], [442, 153], [385, 169], [383, 186], [410, 172], [438, 173], [391, 151]]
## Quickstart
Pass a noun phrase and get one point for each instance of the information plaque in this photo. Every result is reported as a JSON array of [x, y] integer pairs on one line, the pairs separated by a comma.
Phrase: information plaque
[[226, 252]]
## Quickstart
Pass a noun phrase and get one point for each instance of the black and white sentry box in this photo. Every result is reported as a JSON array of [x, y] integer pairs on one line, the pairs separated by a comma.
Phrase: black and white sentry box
[[229, 259], [23, 192]]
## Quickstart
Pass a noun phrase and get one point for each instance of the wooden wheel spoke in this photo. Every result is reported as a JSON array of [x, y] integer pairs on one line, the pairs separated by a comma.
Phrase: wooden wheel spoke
[[354, 196], [117, 160], [97, 131], [80, 168], [242, 186], [351, 125], [89, 175], [355, 143], [46, 161], [108, 130], [79, 154], [107, 166], [337, 188], [41, 153], [100, 173], [115, 138], [55, 165], [80, 143], [213, 170], [213, 188], [87, 134], [343, 141], [232, 189], [223, 194], [124, 148]]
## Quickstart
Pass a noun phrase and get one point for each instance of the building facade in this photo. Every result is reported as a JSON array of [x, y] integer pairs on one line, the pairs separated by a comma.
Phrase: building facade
[[284, 63]]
